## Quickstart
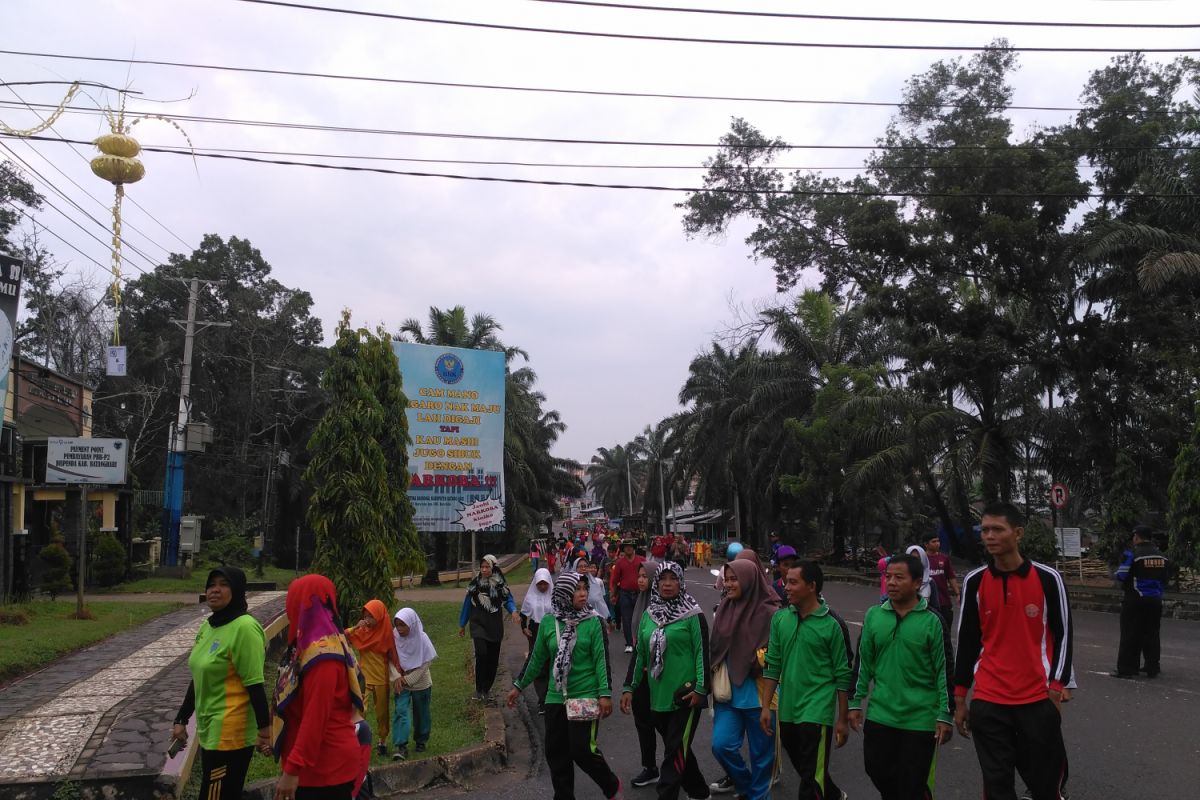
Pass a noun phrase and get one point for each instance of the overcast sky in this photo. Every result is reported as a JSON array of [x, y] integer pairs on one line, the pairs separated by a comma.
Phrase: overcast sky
[[600, 286]]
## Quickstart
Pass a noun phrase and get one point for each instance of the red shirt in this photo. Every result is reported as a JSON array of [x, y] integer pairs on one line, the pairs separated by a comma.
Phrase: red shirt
[[1014, 635], [941, 572], [320, 743], [625, 573]]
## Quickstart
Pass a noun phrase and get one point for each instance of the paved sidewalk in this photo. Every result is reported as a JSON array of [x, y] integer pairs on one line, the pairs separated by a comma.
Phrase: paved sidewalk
[[103, 715]]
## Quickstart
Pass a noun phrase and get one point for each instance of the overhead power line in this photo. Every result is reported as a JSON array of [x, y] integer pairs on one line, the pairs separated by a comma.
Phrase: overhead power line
[[67, 198], [543, 89], [629, 142], [850, 18], [555, 164], [38, 223], [31, 107], [655, 188], [644, 37]]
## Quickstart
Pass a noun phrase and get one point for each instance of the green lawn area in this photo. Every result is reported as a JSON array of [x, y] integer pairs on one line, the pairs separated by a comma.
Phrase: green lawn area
[[457, 720], [50, 633], [281, 577]]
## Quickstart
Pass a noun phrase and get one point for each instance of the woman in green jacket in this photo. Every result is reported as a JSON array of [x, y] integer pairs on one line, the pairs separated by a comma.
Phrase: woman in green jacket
[[577, 648], [672, 656]]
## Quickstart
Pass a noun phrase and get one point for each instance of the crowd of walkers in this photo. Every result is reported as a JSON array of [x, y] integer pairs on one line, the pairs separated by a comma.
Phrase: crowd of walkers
[[777, 666], [774, 662]]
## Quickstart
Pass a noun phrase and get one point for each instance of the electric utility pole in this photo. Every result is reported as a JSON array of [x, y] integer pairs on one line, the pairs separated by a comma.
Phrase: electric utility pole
[[177, 437]]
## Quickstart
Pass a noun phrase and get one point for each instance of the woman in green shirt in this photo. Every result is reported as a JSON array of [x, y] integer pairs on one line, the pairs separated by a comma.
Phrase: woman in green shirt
[[226, 691], [577, 648], [672, 656]]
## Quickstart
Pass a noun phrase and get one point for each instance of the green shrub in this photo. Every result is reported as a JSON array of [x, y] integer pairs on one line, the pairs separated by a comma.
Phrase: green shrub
[[56, 568], [1039, 543], [109, 567], [231, 548]]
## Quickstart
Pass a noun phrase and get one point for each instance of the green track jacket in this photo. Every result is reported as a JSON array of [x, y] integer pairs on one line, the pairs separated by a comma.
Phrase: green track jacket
[[590, 675], [905, 658], [808, 657], [685, 659]]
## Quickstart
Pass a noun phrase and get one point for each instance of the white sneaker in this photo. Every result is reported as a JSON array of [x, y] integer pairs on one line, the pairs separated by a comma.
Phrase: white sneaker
[[628, 649]]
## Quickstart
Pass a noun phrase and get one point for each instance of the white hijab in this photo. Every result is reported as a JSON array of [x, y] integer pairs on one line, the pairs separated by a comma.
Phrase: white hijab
[[926, 582], [537, 603], [416, 649]]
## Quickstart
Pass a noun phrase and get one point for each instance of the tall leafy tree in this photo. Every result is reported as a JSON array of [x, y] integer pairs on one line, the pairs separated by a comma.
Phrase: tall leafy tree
[[1183, 518], [358, 509]]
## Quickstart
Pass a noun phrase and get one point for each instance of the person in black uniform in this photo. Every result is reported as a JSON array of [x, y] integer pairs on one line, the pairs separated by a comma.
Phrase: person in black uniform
[[1143, 572]]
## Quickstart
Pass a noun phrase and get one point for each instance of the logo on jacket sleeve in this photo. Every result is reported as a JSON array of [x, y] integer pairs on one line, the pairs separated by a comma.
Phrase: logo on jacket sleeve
[[1032, 610]]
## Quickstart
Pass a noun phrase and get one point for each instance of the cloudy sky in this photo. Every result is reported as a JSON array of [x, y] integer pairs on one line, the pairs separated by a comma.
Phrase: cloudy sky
[[600, 286]]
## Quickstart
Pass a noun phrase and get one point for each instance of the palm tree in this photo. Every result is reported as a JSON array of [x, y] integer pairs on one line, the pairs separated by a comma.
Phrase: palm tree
[[657, 445], [615, 477]]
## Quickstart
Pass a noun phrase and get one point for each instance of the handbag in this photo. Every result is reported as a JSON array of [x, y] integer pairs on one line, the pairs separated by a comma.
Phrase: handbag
[[579, 709], [722, 689]]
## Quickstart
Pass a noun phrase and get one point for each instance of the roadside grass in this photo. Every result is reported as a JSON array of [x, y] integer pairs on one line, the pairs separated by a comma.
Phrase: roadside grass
[[162, 585], [457, 720], [51, 632]]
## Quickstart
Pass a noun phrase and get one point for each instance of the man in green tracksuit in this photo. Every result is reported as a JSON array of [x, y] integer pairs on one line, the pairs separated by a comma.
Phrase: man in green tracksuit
[[806, 659], [901, 652]]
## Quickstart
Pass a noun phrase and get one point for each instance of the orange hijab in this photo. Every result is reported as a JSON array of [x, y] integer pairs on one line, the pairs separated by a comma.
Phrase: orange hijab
[[376, 639]]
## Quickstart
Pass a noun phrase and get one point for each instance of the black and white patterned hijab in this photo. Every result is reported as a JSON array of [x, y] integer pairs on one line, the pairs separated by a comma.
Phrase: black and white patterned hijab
[[664, 612], [567, 618]]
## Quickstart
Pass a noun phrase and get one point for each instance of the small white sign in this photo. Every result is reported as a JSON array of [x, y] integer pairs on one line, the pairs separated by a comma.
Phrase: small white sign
[[80, 460], [481, 515], [1069, 545], [116, 362]]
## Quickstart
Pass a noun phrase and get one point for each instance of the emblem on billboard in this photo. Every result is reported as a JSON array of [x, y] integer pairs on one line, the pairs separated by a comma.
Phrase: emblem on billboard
[[448, 368]]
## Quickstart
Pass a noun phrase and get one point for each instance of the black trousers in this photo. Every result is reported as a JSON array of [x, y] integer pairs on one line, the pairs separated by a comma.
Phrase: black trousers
[[570, 744], [946, 613], [1141, 620], [223, 773], [626, 600], [341, 791], [1025, 738], [900, 763], [487, 661], [808, 746], [643, 721], [679, 768]]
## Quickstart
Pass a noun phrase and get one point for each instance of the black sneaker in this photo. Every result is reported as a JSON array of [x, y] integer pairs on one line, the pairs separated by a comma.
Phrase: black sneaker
[[1125, 676], [382, 749], [420, 747], [723, 786], [646, 777], [401, 753]]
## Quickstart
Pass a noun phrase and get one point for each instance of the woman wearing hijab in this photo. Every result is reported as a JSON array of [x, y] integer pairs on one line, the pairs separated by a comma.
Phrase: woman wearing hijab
[[372, 638], [414, 692], [740, 631], [573, 642], [643, 719], [226, 691], [537, 604], [488, 597], [672, 656], [318, 699]]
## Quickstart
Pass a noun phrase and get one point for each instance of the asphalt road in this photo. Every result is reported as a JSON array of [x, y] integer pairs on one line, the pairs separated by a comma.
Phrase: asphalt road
[[1125, 738]]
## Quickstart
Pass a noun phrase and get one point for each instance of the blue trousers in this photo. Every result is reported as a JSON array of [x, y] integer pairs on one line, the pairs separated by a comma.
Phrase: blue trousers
[[730, 727], [420, 701]]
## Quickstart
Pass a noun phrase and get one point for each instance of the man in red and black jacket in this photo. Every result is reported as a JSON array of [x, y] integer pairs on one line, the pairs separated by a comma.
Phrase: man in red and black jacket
[[1014, 645]]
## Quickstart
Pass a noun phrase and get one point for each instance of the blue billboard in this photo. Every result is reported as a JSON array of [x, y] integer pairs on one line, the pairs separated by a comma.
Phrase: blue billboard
[[456, 424]]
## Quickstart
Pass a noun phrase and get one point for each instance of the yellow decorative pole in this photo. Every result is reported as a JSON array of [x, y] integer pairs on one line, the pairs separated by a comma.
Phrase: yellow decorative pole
[[118, 164]]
